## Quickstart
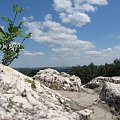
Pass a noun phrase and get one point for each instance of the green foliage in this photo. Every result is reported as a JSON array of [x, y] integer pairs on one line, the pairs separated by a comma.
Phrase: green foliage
[[17, 9], [89, 72], [9, 48], [6, 19]]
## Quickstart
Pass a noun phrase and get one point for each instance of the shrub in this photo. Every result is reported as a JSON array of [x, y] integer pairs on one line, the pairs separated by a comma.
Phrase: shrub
[[8, 46]]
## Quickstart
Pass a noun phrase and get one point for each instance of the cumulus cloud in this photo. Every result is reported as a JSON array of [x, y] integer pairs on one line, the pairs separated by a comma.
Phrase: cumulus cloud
[[28, 53], [93, 53], [62, 49], [105, 53], [75, 11], [96, 2], [61, 5], [53, 33], [78, 19]]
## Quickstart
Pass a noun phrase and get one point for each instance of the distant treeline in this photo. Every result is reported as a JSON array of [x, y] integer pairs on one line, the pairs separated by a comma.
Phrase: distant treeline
[[28, 71], [89, 72], [86, 72], [32, 71]]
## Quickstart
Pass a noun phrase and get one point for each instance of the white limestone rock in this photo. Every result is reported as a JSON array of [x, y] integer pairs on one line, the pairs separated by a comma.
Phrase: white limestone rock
[[85, 114], [22, 98], [110, 93], [99, 81], [60, 81]]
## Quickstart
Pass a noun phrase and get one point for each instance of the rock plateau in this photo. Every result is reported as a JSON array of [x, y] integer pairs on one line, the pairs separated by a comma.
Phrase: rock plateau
[[22, 98]]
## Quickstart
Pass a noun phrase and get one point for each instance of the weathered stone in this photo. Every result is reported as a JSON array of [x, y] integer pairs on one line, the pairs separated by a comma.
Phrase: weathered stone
[[58, 81], [22, 98], [110, 93], [99, 82], [92, 85], [85, 114]]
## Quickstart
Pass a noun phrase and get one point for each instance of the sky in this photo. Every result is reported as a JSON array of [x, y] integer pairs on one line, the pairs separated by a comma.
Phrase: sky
[[67, 32]]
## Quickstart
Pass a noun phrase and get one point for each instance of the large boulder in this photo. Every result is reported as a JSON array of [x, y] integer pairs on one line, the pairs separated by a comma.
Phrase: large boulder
[[59, 81], [110, 93], [99, 82], [22, 98]]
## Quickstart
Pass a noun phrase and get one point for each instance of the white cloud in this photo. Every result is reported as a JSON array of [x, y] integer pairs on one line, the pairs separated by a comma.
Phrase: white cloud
[[101, 53], [78, 19], [75, 11], [93, 53], [108, 50], [96, 2], [62, 4], [28, 53], [62, 49], [103, 56], [87, 7], [53, 33]]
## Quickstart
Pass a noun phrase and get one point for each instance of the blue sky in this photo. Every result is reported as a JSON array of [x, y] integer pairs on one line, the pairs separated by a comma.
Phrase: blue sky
[[67, 32]]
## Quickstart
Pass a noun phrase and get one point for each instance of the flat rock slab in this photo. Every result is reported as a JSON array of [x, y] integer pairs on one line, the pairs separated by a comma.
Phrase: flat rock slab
[[89, 99], [85, 98], [100, 112]]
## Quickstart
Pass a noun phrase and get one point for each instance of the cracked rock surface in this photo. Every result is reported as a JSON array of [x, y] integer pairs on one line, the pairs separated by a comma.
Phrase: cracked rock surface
[[58, 81], [99, 82], [110, 93], [22, 98], [89, 99]]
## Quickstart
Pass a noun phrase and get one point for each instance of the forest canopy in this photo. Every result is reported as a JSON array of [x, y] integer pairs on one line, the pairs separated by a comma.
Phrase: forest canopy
[[89, 72]]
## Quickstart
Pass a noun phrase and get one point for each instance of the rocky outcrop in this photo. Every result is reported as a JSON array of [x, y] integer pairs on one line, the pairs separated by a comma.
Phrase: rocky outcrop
[[110, 93], [22, 98], [99, 82], [59, 81]]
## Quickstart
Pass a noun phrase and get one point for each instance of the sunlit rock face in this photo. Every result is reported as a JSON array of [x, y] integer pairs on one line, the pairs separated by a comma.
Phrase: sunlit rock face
[[99, 82], [110, 93], [22, 98], [60, 81]]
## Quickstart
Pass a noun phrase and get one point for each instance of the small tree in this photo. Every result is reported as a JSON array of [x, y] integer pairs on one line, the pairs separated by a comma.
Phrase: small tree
[[8, 46]]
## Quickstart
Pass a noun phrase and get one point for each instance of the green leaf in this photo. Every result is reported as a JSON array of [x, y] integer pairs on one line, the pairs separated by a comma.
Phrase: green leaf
[[6, 19], [22, 46], [21, 23], [17, 9], [28, 35], [19, 32], [1, 32], [10, 28]]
